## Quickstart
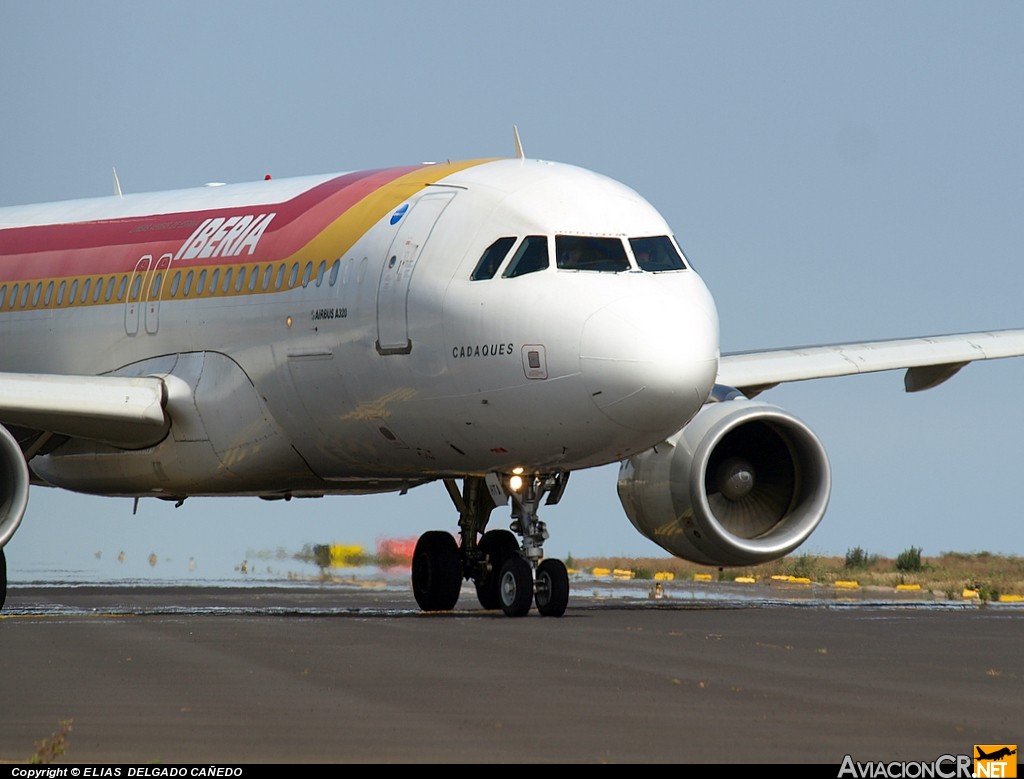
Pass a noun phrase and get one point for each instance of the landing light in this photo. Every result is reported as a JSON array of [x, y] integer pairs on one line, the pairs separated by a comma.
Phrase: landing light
[[515, 482]]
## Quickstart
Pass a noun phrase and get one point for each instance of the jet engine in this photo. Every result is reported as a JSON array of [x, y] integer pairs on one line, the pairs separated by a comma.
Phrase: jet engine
[[743, 483], [14, 481]]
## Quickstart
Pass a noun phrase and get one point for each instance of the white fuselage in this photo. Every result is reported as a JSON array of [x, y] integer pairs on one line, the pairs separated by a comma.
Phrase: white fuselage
[[339, 343]]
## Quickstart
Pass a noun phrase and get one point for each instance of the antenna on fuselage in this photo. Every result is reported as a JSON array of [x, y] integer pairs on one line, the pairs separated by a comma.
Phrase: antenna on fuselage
[[117, 184], [519, 144]]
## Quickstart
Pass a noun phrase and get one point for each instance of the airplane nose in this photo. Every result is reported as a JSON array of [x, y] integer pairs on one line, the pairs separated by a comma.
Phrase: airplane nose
[[650, 364]]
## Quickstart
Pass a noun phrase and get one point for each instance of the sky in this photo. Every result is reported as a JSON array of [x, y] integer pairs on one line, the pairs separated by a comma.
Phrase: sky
[[835, 171]]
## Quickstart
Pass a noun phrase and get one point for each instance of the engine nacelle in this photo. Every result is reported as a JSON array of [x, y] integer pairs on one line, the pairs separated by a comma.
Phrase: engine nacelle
[[743, 483], [14, 481]]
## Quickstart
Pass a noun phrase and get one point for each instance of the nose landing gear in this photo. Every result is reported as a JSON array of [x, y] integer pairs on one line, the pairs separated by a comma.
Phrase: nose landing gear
[[507, 575]]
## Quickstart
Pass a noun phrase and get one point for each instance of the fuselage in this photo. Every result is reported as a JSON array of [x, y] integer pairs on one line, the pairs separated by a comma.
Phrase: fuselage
[[365, 330]]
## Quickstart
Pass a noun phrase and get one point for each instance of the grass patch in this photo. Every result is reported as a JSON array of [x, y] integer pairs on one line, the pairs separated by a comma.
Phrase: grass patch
[[858, 559], [54, 745], [909, 560], [946, 575]]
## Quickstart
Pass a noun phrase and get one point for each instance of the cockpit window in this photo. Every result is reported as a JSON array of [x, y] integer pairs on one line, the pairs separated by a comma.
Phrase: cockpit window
[[574, 252], [491, 259], [531, 256], [657, 253]]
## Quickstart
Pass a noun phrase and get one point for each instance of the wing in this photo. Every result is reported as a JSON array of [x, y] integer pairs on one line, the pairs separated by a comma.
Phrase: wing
[[929, 361], [122, 411]]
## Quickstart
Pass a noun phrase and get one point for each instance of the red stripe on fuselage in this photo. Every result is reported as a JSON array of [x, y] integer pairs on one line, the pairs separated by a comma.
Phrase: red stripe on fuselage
[[115, 245]]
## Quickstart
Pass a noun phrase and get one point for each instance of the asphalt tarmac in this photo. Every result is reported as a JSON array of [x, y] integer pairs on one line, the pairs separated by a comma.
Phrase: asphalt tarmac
[[356, 674]]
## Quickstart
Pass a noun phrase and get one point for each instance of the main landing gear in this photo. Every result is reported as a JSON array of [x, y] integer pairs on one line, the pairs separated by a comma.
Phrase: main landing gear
[[508, 575]]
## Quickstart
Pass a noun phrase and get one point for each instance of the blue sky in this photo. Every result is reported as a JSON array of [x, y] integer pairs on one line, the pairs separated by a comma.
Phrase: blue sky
[[836, 171]]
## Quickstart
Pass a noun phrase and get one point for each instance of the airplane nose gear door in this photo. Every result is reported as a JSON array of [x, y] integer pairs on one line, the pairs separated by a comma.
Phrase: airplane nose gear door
[[403, 254]]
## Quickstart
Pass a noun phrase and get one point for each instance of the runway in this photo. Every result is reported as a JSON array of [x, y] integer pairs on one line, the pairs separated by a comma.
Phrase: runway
[[355, 674]]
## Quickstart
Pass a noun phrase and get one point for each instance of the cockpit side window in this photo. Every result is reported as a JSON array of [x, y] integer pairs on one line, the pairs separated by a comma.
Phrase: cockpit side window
[[491, 259], [657, 253], [574, 252], [531, 256]]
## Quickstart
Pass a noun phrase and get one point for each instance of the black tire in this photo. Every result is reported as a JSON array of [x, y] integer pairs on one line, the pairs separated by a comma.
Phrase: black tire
[[3, 578], [497, 546], [552, 588], [515, 587], [436, 571]]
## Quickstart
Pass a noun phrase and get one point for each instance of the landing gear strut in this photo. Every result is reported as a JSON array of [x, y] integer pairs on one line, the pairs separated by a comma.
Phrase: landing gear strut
[[551, 586], [508, 575]]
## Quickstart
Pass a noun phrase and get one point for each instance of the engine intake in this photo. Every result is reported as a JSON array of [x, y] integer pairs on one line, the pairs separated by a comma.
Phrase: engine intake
[[743, 483], [14, 481]]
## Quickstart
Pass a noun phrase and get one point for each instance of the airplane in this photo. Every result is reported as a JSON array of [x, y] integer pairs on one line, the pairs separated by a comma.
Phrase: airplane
[[497, 322], [999, 753]]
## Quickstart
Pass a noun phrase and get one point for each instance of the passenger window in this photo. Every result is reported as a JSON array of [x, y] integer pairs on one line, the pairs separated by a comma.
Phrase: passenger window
[[37, 293], [60, 292], [254, 278], [136, 286], [227, 280], [110, 289], [334, 272], [531, 256], [491, 259], [175, 284], [201, 283], [72, 293], [321, 269], [241, 279], [306, 274], [154, 290], [121, 288], [214, 278], [576, 252], [188, 283], [3, 294], [49, 294], [293, 276], [86, 286], [279, 280], [656, 254]]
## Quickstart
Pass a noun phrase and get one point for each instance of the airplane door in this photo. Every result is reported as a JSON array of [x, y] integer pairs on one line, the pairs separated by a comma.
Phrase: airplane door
[[135, 292], [395, 276], [155, 291]]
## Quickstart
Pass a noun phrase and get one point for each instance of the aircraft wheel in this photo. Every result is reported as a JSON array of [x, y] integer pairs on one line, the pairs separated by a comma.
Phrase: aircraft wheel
[[515, 587], [498, 546], [3, 578], [552, 588], [436, 571]]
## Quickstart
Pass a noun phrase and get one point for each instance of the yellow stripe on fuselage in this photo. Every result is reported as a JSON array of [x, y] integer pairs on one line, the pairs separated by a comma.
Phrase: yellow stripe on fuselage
[[338, 237]]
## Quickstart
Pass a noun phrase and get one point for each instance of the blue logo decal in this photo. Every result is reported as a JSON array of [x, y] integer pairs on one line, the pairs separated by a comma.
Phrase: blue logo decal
[[397, 216]]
